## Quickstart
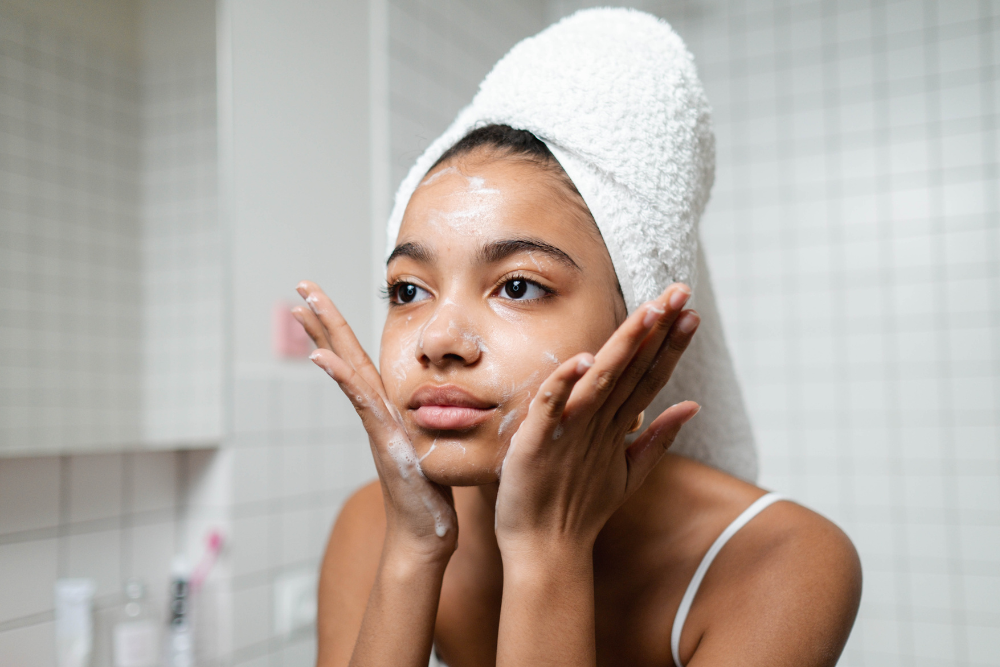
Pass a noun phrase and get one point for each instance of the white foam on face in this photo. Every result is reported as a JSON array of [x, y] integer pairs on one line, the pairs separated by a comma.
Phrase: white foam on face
[[551, 357], [435, 176], [428, 452], [423, 329], [476, 340], [505, 422], [477, 186], [406, 343]]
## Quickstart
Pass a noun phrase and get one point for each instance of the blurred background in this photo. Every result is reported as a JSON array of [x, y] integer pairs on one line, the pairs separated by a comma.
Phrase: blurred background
[[170, 169]]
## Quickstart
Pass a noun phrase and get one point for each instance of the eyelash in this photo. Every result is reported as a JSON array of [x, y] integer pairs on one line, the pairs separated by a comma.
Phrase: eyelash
[[520, 276], [387, 290]]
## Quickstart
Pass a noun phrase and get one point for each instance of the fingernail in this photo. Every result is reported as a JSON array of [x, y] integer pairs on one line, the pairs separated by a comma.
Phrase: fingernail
[[693, 414], [297, 315], [679, 297], [314, 356], [301, 289], [653, 313], [583, 365], [689, 322]]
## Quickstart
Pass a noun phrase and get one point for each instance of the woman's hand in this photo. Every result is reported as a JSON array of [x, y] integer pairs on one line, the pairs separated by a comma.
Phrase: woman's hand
[[568, 467], [420, 515]]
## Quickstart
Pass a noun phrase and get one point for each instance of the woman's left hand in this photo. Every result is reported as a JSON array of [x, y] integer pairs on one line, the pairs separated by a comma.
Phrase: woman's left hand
[[568, 467]]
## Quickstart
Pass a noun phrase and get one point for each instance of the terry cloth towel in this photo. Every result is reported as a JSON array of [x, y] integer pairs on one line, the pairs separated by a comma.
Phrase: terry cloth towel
[[615, 95]]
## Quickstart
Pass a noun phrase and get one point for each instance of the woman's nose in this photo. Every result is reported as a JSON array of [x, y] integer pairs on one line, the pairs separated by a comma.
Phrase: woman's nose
[[449, 337]]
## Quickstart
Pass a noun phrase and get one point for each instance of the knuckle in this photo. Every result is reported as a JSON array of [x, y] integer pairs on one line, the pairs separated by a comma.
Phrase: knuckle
[[679, 343], [605, 381]]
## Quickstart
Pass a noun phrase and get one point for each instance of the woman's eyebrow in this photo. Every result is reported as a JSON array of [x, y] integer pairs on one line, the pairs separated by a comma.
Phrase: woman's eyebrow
[[414, 251], [496, 251]]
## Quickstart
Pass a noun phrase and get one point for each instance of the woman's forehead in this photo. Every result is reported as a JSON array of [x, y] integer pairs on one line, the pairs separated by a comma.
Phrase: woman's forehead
[[475, 203]]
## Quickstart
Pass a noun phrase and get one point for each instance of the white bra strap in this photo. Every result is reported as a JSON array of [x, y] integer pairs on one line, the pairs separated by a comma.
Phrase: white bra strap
[[706, 561]]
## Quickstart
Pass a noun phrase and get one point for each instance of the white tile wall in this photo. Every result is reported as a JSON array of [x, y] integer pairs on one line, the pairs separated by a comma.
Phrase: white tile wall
[[107, 204], [297, 453], [182, 252], [69, 242], [104, 516]]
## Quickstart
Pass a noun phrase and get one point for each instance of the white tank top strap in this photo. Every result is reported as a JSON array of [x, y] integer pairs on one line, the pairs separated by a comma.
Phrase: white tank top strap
[[699, 574]]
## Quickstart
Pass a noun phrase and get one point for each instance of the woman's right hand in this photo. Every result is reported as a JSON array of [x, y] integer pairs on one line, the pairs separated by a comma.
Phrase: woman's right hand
[[420, 514]]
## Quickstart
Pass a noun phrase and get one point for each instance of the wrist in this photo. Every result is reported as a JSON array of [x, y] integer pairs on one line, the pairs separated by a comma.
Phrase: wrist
[[408, 556], [537, 561]]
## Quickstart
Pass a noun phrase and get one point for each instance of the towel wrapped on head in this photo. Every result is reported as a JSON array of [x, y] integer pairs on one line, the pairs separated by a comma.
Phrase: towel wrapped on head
[[615, 96]]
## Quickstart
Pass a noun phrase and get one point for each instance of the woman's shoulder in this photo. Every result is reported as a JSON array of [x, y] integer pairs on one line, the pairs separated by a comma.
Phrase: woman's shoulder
[[354, 545], [348, 573], [360, 525], [788, 573]]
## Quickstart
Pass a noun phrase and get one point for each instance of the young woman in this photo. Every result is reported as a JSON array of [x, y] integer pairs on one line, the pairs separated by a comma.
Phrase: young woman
[[513, 522]]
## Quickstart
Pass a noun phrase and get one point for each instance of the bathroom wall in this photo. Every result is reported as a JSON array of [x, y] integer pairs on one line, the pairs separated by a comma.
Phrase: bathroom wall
[[108, 517], [108, 154], [294, 149], [854, 239], [69, 250], [182, 251]]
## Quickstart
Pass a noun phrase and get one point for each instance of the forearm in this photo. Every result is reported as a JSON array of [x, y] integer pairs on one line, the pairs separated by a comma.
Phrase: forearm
[[547, 615], [398, 625]]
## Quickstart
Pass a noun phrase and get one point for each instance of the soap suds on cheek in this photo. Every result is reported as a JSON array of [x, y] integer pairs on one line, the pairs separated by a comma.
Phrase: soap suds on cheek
[[505, 422], [407, 354]]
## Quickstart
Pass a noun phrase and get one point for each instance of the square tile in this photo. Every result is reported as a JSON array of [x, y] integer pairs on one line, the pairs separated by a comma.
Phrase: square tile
[[95, 486], [27, 573], [29, 493], [96, 556]]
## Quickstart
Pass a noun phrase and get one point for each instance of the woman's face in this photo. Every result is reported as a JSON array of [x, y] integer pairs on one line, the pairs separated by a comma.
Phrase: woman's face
[[496, 279]]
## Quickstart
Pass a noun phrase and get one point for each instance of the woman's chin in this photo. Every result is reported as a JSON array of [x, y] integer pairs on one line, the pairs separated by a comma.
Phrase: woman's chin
[[452, 464]]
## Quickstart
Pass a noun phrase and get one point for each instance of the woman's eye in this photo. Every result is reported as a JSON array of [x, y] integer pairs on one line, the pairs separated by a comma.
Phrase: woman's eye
[[521, 289], [408, 293]]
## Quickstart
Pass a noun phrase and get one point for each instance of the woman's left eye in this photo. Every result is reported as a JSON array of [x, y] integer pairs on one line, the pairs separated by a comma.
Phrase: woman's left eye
[[521, 290]]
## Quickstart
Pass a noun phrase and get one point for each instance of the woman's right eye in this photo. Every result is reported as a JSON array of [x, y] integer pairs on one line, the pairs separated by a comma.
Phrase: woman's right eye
[[408, 293]]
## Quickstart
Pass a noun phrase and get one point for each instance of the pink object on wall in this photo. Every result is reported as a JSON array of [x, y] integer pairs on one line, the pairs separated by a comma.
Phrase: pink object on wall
[[289, 339]]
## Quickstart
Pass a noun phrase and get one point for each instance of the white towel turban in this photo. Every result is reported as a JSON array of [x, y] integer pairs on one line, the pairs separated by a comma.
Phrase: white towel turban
[[615, 96]]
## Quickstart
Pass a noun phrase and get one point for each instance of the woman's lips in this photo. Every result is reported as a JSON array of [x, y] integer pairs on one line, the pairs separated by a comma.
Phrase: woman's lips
[[448, 408], [450, 417]]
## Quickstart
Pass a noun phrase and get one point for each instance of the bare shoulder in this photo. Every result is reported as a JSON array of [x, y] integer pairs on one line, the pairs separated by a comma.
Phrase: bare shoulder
[[784, 590], [347, 573]]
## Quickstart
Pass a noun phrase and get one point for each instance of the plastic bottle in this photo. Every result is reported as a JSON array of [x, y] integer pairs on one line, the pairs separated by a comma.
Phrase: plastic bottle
[[74, 621], [135, 640]]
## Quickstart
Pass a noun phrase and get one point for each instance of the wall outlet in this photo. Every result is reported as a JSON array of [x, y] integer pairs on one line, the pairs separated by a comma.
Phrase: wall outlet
[[295, 601]]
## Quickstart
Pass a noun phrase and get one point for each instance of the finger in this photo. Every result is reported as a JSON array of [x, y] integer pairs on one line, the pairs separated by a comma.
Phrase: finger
[[662, 367], [343, 341], [643, 454], [616, 354], [312, 326], [546, 410], [375, 416], [672, 301]]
